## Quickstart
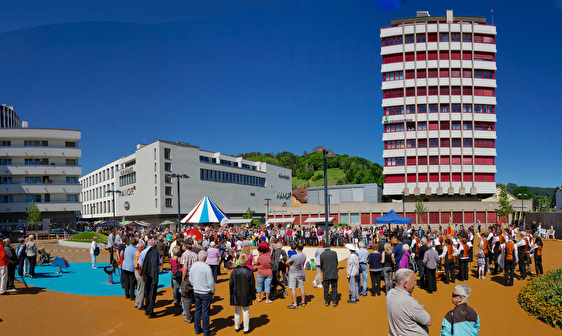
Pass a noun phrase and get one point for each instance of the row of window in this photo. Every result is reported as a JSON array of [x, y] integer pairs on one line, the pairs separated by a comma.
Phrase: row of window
[[207, 159], [35, 143], [37, 162], [432, 55], [440, 160], [39, 198], [437, 73], [220, 176], [434, 37], [441, 177], [436, 125], [99, 177], [441, 143], [438, 90], [434, 108], [127, 179]]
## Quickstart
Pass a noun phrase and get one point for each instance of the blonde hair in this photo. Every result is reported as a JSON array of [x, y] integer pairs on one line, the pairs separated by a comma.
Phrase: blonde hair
[[388, 248], [243, 259], [247, 250]]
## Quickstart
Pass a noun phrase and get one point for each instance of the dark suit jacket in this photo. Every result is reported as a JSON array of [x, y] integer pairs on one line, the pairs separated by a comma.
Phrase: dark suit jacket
[[150, 267]]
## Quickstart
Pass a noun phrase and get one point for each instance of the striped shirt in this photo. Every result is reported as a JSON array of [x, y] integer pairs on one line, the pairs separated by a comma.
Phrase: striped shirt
[[405, 315]]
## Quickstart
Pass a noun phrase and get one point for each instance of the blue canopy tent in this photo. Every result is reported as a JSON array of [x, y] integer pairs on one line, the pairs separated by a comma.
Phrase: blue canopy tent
[[392, 217]]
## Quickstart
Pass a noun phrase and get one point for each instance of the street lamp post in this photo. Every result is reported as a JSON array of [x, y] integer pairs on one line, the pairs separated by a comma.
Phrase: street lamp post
[[521, 196], [178, 177], [267, 200], [326, 153], [113, 205]]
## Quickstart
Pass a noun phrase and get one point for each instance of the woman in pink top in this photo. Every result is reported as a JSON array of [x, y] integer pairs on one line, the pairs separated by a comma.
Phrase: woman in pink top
[[265, 274], [213, 259], [247, 250]]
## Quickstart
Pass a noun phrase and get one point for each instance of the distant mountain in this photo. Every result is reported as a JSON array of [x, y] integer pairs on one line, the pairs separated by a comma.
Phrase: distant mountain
[[308, 168]]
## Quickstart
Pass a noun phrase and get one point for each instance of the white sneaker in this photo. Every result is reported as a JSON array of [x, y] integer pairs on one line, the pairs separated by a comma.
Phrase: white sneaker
[[483, 277], [314, 283], [319, 285]]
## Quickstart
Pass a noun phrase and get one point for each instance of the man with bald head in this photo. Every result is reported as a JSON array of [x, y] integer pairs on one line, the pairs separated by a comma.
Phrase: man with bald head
[[150, 262]]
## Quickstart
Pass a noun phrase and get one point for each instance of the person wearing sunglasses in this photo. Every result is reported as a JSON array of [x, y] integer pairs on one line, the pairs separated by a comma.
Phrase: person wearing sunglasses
[[462, 320]]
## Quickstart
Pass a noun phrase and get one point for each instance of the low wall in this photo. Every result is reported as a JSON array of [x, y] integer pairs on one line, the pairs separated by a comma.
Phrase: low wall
[[79, 245], [547, 219]]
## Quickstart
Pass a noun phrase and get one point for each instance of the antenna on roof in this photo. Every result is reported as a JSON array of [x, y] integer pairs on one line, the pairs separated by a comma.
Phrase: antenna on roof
[[492, 15]]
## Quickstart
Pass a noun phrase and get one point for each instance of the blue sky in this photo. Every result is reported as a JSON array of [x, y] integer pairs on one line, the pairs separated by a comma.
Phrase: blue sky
[[249, 75]]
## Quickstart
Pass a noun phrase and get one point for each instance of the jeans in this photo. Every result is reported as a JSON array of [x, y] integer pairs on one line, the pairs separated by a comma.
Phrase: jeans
[[326, 284], [176, 291], [202, 311], [363, 272], [245, 315], [318, 276], [93, 260], [215, 271], [264, 283], [387, 272]]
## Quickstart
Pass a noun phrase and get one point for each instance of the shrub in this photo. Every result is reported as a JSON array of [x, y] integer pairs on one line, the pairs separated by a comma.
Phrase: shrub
[[542, 298]]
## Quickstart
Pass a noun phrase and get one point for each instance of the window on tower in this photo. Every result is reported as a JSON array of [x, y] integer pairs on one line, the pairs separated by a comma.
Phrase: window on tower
[[455, 37], [420, 38], [467, 37], [409, 38]]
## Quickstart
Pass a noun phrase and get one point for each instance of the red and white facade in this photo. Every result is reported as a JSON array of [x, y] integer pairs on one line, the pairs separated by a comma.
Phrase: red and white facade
[[438, 83]]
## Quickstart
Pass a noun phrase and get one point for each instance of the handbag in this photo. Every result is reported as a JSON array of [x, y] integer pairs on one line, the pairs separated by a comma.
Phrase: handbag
[[97, 251], [177, 275]]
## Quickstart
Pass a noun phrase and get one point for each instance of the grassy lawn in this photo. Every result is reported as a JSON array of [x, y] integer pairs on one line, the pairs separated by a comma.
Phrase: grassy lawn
[[333, 175], [84, 237]]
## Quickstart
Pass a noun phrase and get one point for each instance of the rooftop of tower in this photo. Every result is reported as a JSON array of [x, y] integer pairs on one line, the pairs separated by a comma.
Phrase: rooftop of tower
[[423, 16]]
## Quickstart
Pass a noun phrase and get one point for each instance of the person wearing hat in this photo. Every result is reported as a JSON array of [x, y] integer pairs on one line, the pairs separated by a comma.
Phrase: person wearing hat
[[353, 274]]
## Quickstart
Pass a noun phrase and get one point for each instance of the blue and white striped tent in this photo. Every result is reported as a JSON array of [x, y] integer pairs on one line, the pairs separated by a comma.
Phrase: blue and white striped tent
[[204, 212]]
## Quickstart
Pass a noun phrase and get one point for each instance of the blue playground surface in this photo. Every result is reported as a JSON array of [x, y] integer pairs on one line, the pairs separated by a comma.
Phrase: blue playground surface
[[82, 279]]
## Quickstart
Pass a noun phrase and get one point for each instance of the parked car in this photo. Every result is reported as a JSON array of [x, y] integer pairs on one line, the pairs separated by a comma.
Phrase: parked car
[[61, 231]]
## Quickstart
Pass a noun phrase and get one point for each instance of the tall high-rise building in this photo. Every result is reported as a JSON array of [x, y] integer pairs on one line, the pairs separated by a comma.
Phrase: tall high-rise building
[[438, 83]]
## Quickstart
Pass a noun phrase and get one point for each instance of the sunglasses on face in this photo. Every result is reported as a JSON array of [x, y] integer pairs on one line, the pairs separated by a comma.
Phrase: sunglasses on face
[[455, 295]]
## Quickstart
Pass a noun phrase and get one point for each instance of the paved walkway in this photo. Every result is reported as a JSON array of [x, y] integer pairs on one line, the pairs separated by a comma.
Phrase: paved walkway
[[36, 311]]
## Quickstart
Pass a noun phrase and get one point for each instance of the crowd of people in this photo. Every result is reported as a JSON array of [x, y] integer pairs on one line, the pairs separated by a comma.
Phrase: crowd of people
[[395, 258]]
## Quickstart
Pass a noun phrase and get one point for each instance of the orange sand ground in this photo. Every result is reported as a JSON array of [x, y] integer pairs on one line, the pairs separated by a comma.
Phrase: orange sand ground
[[41, 312]]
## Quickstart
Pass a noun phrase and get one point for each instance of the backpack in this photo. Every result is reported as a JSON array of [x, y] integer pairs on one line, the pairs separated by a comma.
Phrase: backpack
[[413, 265]]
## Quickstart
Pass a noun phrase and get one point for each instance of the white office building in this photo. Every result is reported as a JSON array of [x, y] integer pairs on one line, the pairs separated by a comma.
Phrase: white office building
[[38, 165], [144, 190]]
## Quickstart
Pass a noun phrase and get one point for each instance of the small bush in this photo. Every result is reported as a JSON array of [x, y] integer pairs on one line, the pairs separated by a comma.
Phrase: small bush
[[542, 298]]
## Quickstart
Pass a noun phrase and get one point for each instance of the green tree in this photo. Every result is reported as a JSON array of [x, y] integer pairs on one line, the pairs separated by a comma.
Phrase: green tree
[[33, 215], [420, 209], [504, 208], [249, 214], [524, 191]]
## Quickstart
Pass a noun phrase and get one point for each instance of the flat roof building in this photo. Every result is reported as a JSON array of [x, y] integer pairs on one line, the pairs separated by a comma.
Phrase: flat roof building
[[439, 105], [39, 165], [144, 189]]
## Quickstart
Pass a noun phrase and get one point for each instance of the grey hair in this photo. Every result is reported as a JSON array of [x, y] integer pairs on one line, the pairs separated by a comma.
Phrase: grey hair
[[424, 240], [402, 275], [361, 244], [463, 289], [202, 255], [430, 245], [405, 247]]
